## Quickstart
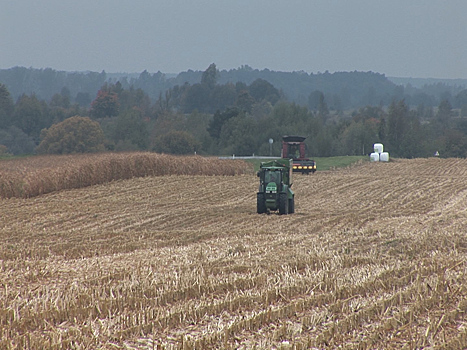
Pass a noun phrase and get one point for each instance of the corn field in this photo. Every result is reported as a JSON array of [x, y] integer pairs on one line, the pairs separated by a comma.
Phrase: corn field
[[33, 176], [373, 258]]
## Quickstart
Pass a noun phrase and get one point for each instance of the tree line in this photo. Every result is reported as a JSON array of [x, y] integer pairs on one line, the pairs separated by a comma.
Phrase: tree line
[[224, 118], [342, 90]]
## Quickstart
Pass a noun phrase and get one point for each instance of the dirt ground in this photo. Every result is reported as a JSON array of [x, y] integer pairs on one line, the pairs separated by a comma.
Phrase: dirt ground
[[374, 257]]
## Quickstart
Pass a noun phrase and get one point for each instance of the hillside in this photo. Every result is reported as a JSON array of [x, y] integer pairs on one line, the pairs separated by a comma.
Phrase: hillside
[[353, 88], [374, 257], [341, 89], [421, 82]]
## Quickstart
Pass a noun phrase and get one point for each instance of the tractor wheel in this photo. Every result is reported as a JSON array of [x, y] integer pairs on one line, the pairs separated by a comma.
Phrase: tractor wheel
[[260, 203], [283, 204], [292, 205]]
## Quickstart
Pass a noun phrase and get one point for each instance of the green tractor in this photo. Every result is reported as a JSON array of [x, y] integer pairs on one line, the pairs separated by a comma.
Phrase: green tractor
[[274, 187]]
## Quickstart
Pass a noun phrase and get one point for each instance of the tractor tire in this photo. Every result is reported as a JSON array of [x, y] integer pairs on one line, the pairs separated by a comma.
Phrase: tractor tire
[[292, 205], [283, 204], [260, 203]]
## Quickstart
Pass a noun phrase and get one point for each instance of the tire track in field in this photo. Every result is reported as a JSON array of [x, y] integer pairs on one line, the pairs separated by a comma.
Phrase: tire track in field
[[173, 257]]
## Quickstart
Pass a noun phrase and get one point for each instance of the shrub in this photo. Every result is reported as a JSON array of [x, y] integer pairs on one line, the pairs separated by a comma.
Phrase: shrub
[[73, 135], [177, 142]]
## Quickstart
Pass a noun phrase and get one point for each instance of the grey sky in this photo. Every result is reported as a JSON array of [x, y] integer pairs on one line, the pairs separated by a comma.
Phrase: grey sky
[[405, 38]]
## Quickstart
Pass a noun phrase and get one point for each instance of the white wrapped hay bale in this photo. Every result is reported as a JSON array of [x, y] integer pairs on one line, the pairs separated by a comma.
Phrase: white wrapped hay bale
[[374, 157], [378, 147], [384, 157]]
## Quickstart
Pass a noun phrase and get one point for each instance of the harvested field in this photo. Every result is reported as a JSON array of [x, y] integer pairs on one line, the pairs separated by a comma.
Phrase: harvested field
[[373, 258]]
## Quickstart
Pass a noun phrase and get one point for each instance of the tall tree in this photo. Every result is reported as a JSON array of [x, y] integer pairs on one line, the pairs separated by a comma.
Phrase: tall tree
[[210, 75], [59, 100], [454, 144], [222, 97], [412, 140], [323, 110], [359, 136], [244, 101], [239, 135], [215, 126], [105, 105], [130, 128], [6, 107], [197, 97], [461, 102], [31, 115], [397, 124], [16, 141], [314, 100], [261, 89], [84, 99], [444, 113]]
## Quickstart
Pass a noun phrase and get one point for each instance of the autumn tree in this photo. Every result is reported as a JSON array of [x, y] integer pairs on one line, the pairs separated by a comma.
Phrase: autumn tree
[[105, 105], [73, 135], [4, 151]]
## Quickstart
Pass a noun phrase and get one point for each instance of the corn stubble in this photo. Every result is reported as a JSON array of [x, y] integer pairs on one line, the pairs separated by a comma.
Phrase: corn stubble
[[374, 257]]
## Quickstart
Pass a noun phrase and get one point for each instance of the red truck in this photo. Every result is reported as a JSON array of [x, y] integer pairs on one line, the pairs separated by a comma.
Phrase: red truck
[[293, 147]]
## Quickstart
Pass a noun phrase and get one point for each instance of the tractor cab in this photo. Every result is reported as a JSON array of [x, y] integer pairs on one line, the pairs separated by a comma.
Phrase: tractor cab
[[272, 175]]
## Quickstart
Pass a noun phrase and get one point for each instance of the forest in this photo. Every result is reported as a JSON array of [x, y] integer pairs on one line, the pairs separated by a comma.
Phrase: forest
[[212, 112]]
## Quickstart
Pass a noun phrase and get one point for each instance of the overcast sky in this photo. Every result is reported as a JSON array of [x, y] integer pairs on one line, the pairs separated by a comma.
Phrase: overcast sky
[[401, 38]]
